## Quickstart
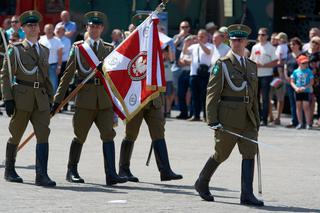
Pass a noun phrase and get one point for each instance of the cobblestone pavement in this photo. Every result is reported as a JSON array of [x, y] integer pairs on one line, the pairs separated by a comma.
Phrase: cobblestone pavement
[[291, 173]]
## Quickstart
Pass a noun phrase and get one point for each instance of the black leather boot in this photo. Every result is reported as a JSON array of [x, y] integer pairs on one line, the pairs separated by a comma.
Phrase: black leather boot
[[74, 156], [10, 173], [109, 165], [124, 162], [247, 196], [202, 183], [162, 159], [42, 178]]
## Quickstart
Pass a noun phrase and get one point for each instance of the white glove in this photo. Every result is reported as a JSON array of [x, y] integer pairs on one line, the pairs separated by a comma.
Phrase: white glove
[[215, 126]]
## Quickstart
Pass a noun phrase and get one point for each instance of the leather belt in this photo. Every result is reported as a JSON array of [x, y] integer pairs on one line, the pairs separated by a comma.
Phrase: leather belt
[[244, 99], [95, 81], [35, 84]]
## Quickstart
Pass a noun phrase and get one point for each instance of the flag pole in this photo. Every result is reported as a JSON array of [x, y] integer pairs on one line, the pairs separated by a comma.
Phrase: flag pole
[[62, 104]]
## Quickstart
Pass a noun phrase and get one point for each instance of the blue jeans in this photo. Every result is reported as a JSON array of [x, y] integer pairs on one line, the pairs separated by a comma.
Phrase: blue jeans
[[53, 76], [264, 90], [292, 100], [198, 97], [183, 85]]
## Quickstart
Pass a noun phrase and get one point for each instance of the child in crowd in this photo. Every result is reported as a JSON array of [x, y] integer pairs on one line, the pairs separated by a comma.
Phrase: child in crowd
[[168, 58], [302, 81], [314, 62]]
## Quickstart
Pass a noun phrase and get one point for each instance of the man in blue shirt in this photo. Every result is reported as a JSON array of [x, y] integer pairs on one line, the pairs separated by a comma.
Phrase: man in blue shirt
[[69, 26], [15, 27]]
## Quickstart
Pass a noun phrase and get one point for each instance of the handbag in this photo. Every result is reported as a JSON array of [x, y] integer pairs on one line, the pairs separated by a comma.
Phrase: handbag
[[203, 69]]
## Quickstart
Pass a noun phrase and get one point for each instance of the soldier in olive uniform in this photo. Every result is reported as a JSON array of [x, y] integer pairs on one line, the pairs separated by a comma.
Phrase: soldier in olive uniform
[[27, 95], [3, 40], [92, 103], [152, 113], [232, 104]]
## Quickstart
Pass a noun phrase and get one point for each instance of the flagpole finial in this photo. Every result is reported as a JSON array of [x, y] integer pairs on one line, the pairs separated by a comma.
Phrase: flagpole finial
[[161, 7]]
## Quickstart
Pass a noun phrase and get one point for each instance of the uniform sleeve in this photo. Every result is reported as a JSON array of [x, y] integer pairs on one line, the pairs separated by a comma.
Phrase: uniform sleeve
[[67, 77], [214, 92], [6, 72], [256, 100]]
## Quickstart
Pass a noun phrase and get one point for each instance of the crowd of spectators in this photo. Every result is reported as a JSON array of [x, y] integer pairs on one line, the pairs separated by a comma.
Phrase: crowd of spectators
[[286, 67]]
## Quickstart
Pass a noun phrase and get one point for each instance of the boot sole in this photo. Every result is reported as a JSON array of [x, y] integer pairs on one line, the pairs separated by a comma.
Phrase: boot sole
[[14, 181], [248, 203], [73, 181], [204, 197], [170, 178], [46, 185]]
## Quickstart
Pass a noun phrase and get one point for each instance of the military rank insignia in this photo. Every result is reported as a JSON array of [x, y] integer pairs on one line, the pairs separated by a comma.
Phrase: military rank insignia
[[215, 69]]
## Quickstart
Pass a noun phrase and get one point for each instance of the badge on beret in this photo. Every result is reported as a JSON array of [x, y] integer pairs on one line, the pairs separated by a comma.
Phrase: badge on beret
[[215, 69]]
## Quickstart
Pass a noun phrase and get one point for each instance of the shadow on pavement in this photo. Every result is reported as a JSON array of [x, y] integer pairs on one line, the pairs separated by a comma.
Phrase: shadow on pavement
[[276, 208], [20, 167], [167, 189], [188, 187], [86, 187]]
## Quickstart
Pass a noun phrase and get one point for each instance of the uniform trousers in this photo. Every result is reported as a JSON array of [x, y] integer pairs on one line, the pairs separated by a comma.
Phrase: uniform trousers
[[84, 118]]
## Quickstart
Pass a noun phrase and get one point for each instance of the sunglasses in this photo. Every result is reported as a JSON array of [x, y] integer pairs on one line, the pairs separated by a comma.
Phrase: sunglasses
[[14, 22], [183, 27]]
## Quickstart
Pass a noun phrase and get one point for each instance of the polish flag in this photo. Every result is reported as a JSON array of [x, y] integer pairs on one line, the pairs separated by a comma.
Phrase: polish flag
[[93, 61], [135, 70]]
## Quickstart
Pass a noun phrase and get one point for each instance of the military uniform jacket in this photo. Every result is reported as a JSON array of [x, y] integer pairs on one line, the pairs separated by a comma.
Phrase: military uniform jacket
[[27, 66], [91, 96], [238, 113], [2, 47]]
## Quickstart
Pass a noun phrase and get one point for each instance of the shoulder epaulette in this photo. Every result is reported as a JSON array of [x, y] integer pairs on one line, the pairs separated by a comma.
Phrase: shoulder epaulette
[[106, 44], [224, 58], [42, 46], [78, 42], [16, 43], [251, 61]]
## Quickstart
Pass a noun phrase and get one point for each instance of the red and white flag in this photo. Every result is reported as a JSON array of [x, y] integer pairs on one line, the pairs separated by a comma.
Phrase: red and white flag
[[134, 70], [93, 61], [164, 40]]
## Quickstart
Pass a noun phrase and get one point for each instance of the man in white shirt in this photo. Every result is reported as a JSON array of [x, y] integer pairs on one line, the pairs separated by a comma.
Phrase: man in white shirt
[[220, 49], [199, 71], [55, 54], [263, 53]]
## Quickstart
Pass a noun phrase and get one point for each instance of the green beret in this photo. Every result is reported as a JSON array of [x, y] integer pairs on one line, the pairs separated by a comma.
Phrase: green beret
[[137, 19], [95, 17], [30, 16], [237, 31]]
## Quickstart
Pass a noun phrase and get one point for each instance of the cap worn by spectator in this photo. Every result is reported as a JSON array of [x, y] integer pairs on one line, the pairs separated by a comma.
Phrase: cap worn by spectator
[[95, 17], [302, 59], [211, 25], [30, 16], [223, 29], [283, 36], [238, 31]]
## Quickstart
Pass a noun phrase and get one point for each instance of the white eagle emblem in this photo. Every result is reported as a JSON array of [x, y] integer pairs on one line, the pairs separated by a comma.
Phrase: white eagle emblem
[[137, 67], [140, 66]]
